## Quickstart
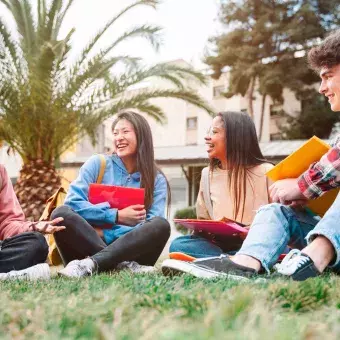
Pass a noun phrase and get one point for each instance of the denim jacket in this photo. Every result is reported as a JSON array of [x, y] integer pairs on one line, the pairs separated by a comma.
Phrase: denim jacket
[[115, 174]]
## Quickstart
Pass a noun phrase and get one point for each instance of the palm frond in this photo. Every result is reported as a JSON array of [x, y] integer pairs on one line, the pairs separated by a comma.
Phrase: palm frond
[[61, 18], [42, 20], [23, 16], [47, 106], [140, 98], [150, 33], [6, 3], [50, 31], [10, 45], [97, 68], [94, 40]]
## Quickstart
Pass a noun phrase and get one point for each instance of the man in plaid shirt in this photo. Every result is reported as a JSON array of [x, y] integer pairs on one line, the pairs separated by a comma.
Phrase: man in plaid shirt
[[315, 241]]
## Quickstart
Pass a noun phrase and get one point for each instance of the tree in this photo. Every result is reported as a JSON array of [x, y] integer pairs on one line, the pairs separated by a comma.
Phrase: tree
[[316, 118], [47, 104], [265, 44]]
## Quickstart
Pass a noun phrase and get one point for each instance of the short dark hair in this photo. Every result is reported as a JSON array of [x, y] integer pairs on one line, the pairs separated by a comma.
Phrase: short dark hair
[[327, 54]]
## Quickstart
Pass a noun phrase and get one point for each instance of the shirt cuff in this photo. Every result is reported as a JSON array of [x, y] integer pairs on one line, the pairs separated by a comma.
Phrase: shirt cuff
[[307, 188], [111, 216]]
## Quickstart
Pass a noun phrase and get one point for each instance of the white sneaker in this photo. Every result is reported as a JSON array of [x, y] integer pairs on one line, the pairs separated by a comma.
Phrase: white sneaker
[[298, 266], [38, 272], [284, 266], [135, 267], [77, 269]]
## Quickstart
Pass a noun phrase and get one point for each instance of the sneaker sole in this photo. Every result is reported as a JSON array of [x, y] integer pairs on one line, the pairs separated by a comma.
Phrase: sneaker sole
[[175, 267]]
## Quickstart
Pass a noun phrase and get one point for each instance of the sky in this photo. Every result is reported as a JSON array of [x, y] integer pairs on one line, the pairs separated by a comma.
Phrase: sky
[[187, 26]]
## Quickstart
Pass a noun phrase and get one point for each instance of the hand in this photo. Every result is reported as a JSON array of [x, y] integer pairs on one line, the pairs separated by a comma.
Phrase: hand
[[132, 215], [286, 191], [298, 203], [48, 227]]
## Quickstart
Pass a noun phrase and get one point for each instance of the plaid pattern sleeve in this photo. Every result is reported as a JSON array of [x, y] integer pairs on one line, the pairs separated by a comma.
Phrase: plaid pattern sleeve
[[324, 175]]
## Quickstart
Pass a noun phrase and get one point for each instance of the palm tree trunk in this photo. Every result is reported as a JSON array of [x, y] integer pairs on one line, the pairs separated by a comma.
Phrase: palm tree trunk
[[263, 107], [38, 181]]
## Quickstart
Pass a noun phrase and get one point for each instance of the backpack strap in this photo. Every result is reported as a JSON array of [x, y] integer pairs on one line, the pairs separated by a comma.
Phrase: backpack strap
[[102, 168], [206, 192]]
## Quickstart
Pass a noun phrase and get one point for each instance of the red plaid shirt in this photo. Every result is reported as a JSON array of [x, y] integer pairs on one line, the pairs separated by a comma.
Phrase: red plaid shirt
[[323, 175]]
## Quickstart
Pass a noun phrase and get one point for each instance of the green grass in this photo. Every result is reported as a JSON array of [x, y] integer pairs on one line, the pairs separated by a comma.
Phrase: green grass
[[122, 306]]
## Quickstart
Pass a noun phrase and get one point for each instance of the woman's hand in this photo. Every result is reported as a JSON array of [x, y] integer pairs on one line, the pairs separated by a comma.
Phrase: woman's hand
[[48, 227], [132, 215]]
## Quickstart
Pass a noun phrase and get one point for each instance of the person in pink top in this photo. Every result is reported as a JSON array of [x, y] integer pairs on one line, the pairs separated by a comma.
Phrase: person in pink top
[[23, 248]]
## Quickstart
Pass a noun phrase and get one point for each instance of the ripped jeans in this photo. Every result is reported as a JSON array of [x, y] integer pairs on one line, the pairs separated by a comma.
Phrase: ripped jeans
[[275, 226]]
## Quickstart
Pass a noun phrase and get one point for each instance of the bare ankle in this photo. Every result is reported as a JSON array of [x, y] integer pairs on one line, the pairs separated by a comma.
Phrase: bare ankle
[[321, 251], [247, 261]]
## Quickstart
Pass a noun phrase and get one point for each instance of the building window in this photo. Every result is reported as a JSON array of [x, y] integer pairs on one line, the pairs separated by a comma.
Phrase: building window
[[192, 123], [191, 133], [218, 91]]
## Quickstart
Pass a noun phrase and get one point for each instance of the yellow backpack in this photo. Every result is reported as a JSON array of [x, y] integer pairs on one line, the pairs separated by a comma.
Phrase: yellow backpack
[[55, 201]]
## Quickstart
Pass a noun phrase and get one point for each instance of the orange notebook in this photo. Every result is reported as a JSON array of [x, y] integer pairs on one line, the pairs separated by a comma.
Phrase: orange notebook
[[297, 163]]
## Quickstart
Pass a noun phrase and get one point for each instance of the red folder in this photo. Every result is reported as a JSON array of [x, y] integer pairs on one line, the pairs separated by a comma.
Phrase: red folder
[[118, 197], [223, 227]]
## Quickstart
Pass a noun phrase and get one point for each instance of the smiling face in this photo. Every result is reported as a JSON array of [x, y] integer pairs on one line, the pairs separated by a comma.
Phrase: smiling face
[[124, 139], [216, 140], [330, 86]]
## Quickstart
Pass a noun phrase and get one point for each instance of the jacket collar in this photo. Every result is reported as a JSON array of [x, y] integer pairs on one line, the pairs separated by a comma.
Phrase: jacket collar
[[135, 176]]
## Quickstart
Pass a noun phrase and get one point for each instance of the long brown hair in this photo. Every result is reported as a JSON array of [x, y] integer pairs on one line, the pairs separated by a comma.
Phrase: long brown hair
[[242, 153], [145, 155]]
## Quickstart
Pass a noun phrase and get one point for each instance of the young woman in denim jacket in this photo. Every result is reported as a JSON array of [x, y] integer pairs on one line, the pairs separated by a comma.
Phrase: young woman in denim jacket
[[138, 233]]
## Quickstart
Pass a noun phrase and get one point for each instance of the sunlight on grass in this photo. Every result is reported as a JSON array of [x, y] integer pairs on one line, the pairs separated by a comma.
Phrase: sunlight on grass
[[123, 306]]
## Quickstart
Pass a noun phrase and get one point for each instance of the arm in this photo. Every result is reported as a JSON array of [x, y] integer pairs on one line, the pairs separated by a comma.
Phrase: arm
[[201, 209], [77, 197], [12, 218], [157, 208], [322, 176]]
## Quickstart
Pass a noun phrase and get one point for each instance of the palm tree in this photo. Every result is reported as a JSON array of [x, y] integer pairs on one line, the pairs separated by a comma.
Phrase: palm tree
[[47, 103]]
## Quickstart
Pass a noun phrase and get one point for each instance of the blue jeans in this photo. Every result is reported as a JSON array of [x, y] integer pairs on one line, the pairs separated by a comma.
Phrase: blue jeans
[[275, 226], [199, 246]]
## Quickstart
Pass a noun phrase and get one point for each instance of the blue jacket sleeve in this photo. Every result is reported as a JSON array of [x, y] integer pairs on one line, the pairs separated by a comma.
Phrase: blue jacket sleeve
[[77, 197]]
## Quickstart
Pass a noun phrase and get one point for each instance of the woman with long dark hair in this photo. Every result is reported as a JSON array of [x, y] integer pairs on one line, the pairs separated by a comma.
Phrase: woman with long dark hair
[[237, 184], [138, 233]]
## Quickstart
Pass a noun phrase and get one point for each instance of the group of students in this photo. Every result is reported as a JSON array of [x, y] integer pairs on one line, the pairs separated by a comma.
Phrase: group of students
[[94, 238]]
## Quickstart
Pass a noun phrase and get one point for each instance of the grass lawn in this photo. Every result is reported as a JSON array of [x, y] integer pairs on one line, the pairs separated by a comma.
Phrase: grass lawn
[[123, 306]]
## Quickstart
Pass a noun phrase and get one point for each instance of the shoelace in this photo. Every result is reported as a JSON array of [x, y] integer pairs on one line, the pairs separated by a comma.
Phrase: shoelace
[[294, 264], [286, 261]]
